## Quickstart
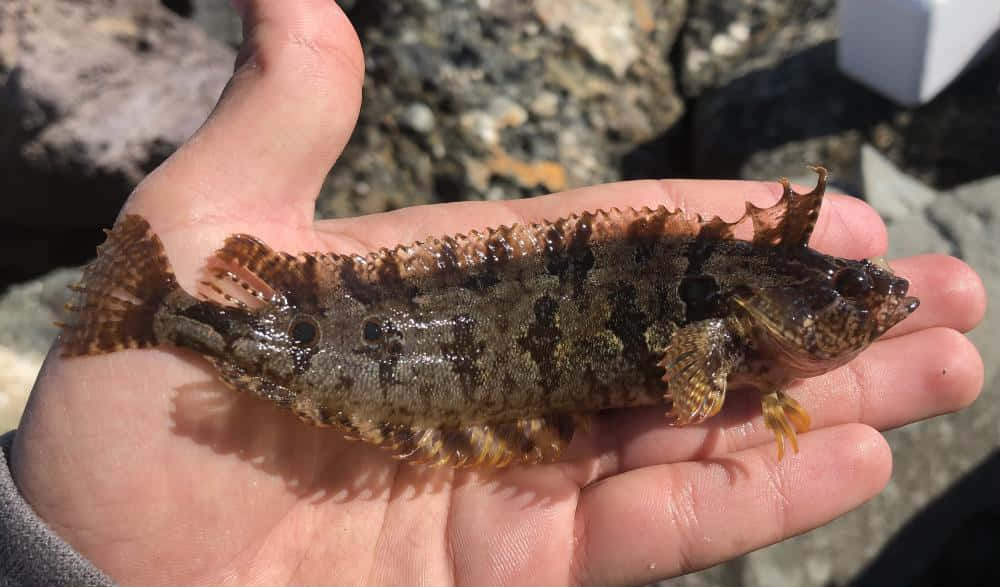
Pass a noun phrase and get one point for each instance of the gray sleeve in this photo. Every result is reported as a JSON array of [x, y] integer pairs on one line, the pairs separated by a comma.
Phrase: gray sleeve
[[31, 553]]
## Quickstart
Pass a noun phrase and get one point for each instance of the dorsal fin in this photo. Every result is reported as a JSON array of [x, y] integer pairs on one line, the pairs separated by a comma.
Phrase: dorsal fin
[[265, 274], [789, 223]]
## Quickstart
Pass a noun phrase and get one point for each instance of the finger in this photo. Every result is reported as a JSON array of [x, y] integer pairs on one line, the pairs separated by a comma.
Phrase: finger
[[692, 515], [894, 382], [951, 293], [283, 119], [846, 226]]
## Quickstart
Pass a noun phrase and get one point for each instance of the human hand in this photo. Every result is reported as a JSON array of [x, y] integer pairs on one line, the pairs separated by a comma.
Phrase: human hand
[[158, 474]]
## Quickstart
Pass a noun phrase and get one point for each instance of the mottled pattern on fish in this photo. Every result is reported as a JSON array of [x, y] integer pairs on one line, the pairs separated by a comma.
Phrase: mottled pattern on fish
[[493, 347]]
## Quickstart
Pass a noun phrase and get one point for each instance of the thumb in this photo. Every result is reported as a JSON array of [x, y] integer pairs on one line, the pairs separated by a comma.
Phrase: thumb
[[280, 124]]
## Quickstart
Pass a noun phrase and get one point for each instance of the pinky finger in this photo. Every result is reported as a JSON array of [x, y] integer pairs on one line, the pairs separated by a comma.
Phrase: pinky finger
[[667, 520]]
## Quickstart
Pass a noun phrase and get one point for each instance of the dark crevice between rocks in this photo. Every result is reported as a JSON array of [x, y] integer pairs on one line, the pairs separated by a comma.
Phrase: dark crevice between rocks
[[35, 243], [180, 7], [802, 97], [669, 155]]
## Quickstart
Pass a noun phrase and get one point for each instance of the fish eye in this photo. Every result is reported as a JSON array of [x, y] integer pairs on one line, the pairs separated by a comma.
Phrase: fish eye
[[852, 282], [304, 331], [372, 331]]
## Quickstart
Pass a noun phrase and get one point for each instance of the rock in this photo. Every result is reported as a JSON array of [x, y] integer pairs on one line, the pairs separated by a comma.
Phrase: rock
[[17, 375], [952, 140], [723, 41], [893, 194], [506, 113], [217, 18], [93, 95], [545, 104], [527, 97], [418, 117], [27, 329], [600, 27], [771, 122], [916, 234], [803, 110]]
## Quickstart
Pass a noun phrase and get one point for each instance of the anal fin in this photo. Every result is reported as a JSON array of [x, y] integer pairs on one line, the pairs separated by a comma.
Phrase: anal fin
[[485, 445]]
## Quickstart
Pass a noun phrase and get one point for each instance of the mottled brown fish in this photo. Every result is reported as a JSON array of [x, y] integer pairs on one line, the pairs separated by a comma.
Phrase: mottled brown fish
[[491, 348]]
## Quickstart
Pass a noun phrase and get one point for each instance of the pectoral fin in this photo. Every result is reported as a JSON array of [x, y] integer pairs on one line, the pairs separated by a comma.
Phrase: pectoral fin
[[697, 365]]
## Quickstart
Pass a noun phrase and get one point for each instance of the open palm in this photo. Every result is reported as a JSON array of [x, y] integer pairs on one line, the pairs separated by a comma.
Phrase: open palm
[[158, 474]]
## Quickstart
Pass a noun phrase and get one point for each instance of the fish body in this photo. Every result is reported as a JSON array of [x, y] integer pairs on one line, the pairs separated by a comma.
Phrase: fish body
[[493, 347]]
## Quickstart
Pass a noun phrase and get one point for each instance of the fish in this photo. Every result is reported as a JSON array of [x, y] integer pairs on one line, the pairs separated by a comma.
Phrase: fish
[[492, 348]]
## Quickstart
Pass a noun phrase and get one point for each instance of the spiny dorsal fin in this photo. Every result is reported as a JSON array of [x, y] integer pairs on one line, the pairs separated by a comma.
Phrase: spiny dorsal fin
[[790, 222], [263, 273], [787, 223]]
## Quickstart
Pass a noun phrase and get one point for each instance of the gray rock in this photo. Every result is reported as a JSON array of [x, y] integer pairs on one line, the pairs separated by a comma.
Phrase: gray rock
[[802, 109], [600, 27], [545, 104], [916, 234], [724, 40], [528, 98], [93, 95], [418, 117], [894, 194], [27, 329], [770, 122], [952, 140], [218, 19]]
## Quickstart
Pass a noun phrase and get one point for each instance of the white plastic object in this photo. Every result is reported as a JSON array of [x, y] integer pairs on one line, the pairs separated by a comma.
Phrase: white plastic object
[[909, 50]]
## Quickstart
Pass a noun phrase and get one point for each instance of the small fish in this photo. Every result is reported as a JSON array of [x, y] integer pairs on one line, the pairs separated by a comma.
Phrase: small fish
[[491, 348]]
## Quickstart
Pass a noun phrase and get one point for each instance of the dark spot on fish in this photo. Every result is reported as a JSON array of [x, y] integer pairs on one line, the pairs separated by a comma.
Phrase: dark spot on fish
[[700, 294], [386, 352], [571, 261], [363, 292], [628, 323], [300, 283], [464, 351], [541, 341], [698, 253], [643, 251], [480, 282]]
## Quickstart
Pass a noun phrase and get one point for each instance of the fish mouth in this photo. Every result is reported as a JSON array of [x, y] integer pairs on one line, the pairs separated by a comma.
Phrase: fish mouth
[[903, 308], [907, 306]]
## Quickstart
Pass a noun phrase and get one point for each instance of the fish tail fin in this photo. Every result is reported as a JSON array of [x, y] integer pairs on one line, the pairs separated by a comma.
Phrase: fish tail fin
[[115, 303]]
